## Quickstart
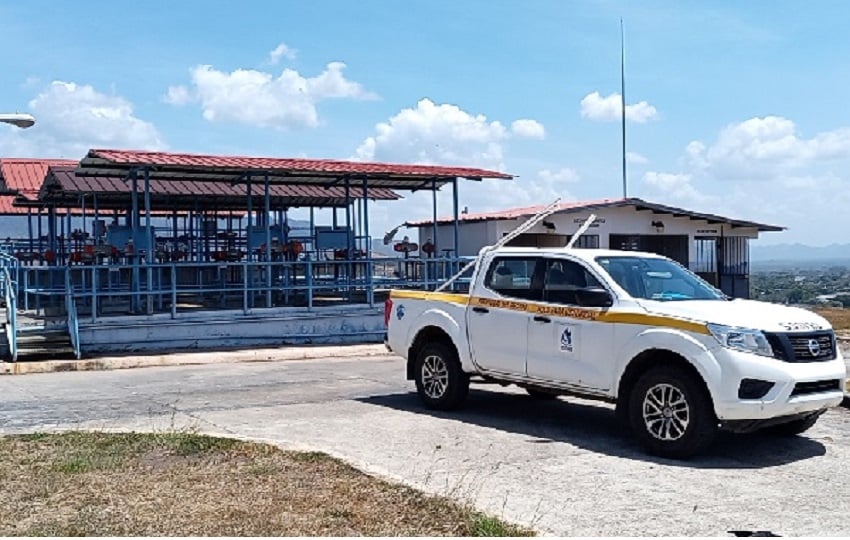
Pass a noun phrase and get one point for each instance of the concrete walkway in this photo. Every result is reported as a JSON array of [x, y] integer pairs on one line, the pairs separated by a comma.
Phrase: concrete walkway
[[195, 358]]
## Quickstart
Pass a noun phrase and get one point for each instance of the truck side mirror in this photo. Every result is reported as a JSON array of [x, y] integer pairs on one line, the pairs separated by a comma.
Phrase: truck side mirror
[[593, 297]]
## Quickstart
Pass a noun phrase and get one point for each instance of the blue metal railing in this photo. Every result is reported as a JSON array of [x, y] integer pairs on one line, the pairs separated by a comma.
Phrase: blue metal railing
[[11, 313], [71, 310], [169, 287]]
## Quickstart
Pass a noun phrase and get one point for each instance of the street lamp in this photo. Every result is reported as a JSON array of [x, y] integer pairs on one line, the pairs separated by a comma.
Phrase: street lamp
[[21, 120]]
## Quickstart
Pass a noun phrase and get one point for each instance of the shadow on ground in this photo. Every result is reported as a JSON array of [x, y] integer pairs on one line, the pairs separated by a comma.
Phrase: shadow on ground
[[594, 428]]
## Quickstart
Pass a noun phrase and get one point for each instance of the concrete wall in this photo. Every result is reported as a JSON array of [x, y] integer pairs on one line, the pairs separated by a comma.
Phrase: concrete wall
[[619, 220], [212, 330]]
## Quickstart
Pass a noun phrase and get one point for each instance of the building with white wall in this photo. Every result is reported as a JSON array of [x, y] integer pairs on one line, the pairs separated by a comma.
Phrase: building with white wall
[[715, 247]]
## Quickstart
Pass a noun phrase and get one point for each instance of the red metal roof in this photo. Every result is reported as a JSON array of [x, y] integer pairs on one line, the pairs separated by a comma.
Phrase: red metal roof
[[639, 204], [514, 213], [285, 170], [6, 208], [62, 185], [26, 175]]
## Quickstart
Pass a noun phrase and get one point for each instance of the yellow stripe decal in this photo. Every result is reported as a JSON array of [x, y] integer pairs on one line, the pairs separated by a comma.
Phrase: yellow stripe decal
[[654, 320], [585, 314], [462, 299]]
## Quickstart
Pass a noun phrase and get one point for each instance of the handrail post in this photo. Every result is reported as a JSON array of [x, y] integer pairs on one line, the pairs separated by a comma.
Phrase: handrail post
[[309, 284], [245, 287], [173, 290], [94, 292]]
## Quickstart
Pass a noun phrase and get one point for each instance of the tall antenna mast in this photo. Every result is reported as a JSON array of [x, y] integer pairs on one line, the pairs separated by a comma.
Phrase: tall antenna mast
[[623, 103]]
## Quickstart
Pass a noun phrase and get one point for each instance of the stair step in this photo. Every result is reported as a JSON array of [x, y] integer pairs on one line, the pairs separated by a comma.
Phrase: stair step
[[51, 352], [52, 337]]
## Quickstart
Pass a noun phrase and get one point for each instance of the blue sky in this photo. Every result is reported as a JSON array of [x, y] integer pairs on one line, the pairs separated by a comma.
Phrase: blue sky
[[734, 108]]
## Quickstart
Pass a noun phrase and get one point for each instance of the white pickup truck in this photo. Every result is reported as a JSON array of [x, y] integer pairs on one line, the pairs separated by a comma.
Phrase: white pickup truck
[[679, 359]]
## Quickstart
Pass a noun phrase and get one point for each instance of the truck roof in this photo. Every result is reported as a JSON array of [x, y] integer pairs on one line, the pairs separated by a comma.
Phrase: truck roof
[[581, 253]]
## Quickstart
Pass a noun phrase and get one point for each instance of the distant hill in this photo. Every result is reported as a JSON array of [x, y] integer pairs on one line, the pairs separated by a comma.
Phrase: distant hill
[[799, 252], [785, 256]]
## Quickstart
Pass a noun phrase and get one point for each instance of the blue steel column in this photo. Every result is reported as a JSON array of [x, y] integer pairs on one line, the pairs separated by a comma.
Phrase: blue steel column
[[350, 247], [248, 225], [66, 237], [40, 234], [94, 284], [314, 256], [29, 227], [246, 281], [364, 205], [434, 230], [150, 243], [267, 223], [134, 221], [455, 266]]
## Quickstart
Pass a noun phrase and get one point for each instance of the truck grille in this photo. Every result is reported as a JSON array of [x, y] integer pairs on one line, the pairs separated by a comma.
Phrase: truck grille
[[803, 347], [816, 387]]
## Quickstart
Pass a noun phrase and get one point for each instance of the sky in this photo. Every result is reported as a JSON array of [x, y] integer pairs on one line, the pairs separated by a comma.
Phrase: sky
[[735, 108]]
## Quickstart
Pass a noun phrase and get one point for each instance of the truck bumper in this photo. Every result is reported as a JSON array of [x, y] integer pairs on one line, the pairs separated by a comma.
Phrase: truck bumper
[[793, 389]]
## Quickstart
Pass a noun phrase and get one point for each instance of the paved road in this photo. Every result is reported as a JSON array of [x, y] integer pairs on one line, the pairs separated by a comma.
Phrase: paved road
[[563, 467]]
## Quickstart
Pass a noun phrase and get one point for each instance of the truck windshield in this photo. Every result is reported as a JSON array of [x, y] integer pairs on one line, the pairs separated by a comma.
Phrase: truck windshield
[[657, 279]]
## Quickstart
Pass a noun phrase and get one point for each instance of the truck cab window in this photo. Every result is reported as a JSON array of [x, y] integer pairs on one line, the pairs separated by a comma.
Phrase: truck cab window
[[563, 278], [514, 277]]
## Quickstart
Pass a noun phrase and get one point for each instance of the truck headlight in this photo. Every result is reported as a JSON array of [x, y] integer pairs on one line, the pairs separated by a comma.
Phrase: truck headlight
[[741, 339]]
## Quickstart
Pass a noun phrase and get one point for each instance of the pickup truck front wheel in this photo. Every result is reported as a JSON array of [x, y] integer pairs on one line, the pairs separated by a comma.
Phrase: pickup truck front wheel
[[671, 413], [440, 381]]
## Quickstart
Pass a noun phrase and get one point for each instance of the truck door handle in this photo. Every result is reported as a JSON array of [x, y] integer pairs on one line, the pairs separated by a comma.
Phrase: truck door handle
[[541, 318], [478, 309]]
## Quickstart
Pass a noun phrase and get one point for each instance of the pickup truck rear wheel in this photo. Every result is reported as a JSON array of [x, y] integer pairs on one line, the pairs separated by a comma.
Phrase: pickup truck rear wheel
[[671, 413], [440, 381]]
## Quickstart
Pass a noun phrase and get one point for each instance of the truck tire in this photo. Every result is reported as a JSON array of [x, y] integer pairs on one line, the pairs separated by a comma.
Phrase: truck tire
[[440, 381], [794, 427], [671, 413]]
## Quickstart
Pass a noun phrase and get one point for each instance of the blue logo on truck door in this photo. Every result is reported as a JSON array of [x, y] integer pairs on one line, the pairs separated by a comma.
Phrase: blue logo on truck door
[[399, 312], [567, 340]]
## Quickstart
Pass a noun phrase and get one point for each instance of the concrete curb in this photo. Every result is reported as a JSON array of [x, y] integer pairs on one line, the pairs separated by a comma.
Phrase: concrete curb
[[195, 358]]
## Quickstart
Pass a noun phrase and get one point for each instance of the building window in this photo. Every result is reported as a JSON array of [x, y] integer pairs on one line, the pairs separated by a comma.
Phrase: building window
[[586, 241]]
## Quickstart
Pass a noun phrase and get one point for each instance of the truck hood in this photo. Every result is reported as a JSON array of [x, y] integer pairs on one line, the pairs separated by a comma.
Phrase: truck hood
[[740, 313]]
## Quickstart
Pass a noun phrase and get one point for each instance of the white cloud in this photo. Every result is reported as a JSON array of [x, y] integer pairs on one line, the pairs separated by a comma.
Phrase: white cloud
[[257, 98], [596, 107], [636, 159], [178, 95], [763, 169], [561, 176], [282, 51], [72, 118], [433, 133], [531, 129], [765, 147]]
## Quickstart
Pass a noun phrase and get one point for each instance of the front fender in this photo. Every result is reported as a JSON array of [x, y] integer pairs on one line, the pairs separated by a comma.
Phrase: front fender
[[676, 341], [456, 330]]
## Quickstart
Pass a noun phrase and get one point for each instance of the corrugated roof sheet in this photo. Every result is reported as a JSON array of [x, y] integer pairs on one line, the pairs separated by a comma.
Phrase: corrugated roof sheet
[[26, 175], [63, 185], [577, 206], [6, 208], [280, 170]]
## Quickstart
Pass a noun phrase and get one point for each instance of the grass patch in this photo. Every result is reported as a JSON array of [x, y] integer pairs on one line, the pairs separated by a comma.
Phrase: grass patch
[[837, 317], [184, 484]]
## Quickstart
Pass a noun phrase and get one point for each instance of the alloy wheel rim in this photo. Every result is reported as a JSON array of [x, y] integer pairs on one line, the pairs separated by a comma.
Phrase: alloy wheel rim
[[435, 376], [666, 413]]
